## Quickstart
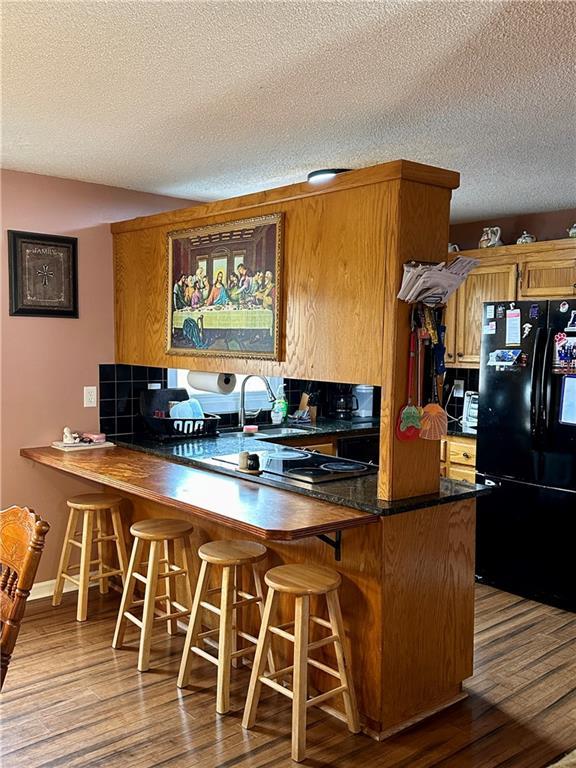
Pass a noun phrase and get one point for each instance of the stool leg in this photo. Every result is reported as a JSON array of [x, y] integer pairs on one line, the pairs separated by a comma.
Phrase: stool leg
[[65, 556], [188, 562], [236, 615], [149, 605], [260, 593], [127, 594], [194, 625], [255, 687], [101, 549], [225, 640], [171, 624], [300, 688], [85, 557], [349, 695], [120, 542]]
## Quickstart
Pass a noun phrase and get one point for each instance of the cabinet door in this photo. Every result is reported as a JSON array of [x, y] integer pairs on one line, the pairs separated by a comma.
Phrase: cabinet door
[[450, 321], [545, 279], [462, 473], [483, 284]]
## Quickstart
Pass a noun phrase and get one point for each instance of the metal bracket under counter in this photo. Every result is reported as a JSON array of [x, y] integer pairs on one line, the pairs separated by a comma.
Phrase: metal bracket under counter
[[335, 543]]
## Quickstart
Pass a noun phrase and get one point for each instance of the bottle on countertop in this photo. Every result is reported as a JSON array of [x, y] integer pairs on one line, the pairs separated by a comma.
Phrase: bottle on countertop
[[280, 408]]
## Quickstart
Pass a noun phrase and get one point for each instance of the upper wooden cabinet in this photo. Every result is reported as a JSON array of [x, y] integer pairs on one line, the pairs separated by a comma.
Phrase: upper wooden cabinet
[[547, 278], [511, 272], [490, 283]]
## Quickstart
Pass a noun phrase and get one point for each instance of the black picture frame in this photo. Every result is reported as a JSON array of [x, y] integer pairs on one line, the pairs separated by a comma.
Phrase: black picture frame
[[43, 272]]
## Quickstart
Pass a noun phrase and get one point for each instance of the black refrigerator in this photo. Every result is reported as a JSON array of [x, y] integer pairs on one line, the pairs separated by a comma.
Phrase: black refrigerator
[[526, 530]]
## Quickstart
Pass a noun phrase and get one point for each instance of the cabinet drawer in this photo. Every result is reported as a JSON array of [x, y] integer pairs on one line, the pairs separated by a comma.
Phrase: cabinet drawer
[[462, 452], [462, 473]]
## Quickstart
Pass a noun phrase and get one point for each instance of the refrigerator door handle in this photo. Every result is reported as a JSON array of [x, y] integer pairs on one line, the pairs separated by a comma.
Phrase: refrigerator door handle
[[545, 394], [535, 372]]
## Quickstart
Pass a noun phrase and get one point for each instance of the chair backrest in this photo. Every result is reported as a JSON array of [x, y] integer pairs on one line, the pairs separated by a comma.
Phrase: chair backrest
[[22, 535]]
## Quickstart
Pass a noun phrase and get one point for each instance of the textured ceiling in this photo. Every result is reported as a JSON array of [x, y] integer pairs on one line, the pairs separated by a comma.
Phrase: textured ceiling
[[212, 99]]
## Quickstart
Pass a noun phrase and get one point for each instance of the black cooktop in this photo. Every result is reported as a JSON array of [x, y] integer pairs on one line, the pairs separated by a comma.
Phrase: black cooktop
[[306, 466]]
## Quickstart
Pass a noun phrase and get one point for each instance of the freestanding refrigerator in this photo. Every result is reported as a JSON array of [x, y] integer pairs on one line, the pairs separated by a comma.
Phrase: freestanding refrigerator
[[526, 530]]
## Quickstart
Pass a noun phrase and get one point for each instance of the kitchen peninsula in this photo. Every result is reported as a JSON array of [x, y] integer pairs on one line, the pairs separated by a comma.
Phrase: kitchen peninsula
[[405, 542], [407, 567]]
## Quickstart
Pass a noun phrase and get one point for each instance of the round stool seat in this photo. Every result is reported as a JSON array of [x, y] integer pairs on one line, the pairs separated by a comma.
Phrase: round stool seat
[[232, 552], [160, 530], [94, 501], [303, 579]]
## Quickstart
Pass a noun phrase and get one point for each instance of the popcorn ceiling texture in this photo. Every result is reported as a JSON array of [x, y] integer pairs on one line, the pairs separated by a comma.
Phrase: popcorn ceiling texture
[[208, 100]]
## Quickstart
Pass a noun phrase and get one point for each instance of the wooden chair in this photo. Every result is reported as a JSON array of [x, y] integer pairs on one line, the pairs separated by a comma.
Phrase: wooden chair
[[22, 535], [302, 581]]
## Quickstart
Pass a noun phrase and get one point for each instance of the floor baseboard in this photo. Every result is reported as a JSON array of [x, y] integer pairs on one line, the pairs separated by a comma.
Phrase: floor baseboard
[[46, 589]]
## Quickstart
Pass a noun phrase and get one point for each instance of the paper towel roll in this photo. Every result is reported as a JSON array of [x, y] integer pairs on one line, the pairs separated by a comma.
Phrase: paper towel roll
[[220, 383]]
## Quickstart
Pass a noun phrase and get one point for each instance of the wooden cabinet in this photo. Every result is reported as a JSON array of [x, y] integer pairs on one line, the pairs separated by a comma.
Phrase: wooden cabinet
[[464, 315], [512, 272], [540, 278], [458, 458]]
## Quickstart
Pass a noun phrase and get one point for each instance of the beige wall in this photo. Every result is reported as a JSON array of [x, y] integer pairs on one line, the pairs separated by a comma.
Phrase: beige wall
[[46, 362]]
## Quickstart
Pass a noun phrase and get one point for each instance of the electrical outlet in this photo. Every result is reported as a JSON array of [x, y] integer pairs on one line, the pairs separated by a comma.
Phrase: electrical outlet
[[154, 385], [90, 397], [458, 388]]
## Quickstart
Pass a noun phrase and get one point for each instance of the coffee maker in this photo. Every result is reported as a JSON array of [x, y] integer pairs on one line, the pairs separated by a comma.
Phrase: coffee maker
[[342, 401]]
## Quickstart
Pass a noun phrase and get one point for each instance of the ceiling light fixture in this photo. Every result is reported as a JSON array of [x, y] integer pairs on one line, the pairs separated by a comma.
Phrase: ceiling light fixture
[[324, 174]]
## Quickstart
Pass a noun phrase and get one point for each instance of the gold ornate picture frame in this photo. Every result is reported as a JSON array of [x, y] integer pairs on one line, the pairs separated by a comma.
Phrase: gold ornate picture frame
[[225, 289]]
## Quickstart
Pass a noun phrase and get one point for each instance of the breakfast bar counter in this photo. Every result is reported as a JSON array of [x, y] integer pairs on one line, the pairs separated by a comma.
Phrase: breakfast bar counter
[[407, 589]]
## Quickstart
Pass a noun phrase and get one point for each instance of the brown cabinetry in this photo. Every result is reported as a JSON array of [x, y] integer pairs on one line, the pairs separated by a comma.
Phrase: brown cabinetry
[[511, 272], [541, 278], [488, 283], [458, 458]]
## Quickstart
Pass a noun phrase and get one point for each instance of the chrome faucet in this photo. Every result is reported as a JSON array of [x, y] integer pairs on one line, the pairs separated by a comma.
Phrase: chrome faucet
[[242, 412]]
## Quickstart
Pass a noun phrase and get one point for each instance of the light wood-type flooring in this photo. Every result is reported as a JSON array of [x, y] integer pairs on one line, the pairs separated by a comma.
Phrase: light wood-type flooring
[[70, 701]]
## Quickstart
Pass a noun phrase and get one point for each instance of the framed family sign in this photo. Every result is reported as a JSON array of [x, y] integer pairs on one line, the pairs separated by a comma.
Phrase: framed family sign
[[225, 289], [43, 274]]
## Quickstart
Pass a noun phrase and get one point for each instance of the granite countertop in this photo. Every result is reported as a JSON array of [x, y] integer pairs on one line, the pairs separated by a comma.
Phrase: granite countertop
[[358, 492]]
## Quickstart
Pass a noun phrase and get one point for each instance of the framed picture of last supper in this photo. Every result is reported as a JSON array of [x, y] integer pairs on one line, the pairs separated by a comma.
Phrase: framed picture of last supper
[[225, 289]]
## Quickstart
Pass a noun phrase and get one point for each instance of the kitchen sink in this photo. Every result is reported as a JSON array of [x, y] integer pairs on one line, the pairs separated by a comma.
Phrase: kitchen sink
[[281, 432], [272, 431]]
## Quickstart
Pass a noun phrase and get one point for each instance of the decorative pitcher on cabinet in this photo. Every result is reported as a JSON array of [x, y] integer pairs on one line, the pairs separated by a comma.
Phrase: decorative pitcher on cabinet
[[490, 237]]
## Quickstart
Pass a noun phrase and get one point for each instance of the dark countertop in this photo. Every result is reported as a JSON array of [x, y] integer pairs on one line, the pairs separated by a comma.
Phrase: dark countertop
[[456, 430], [358, 493]]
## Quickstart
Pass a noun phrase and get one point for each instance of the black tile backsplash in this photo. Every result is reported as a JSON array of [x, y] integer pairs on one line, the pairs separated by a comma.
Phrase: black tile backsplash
[[455, 406], [119, 388]]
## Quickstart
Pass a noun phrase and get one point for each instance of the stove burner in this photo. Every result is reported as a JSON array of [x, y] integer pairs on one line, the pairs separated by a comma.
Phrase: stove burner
[[305, 471], [342, 466], [287, 454]]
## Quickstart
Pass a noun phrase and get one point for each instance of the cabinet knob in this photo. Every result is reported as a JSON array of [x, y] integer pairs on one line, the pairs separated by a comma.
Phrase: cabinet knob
[[466, 455], [449, 355], [460, 354]]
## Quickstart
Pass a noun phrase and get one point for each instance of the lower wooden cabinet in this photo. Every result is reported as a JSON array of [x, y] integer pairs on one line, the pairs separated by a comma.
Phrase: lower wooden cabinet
[[458, 458]]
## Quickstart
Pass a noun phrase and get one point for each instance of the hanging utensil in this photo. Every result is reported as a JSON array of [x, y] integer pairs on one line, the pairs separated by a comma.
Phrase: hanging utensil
[[408, 422], [434, 418]]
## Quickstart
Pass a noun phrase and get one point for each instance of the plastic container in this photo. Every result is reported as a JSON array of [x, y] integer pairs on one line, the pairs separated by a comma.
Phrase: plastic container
[[365, 396], [280, 409]]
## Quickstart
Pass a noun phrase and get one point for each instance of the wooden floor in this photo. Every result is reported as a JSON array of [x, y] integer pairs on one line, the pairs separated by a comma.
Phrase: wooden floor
[[70, 701]]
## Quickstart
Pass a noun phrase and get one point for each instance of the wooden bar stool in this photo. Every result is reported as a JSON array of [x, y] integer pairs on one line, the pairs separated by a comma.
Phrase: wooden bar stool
[[94, 508], [302, 581], [229, 556], [161, 534]]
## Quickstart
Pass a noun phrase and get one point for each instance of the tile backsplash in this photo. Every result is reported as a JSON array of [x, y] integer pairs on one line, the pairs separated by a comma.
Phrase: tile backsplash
[[470, 377], [120, 387]]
